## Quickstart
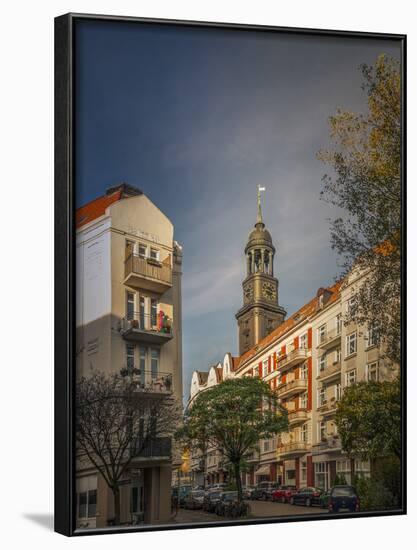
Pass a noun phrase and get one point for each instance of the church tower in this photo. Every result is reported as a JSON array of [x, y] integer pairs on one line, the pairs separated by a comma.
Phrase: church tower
[[261, 312]]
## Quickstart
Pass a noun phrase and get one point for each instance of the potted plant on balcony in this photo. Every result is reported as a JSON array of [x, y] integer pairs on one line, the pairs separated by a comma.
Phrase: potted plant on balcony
[[134, 323], [124, 371]]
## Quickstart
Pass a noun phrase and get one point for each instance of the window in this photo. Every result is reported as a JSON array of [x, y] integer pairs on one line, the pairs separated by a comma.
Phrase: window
[[154, 362], [351, 344], [304, 433], [321, 301], [142, 362], [303, 471], [142, 251], [352, 306], [154, 254], [134, 496], [343, 471], [338, 392], [362, 468], [87, 503], [256, 372], [304, 372], [320, 473], [321, 334], [372, 371], [303, 341], [372, 337], [321, 396], [266, 445], [337, 356], [338, 323], [142, 305], [351, 377], [154, 312], [321, 430], [321, 363], [303, 401], [130, 305], [130, 356]]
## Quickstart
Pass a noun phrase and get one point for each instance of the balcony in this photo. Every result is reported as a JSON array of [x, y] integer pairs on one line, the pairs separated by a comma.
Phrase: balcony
[[292, 358], [149, 382], [329, 408], [329, 372], [297, 417], [292, 388], [328, 444], [151, 329], [147, 273], [292, 449], [158, 448], [330, 339]]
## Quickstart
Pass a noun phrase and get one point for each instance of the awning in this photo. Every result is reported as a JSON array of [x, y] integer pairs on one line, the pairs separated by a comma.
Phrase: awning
[[263, 470]]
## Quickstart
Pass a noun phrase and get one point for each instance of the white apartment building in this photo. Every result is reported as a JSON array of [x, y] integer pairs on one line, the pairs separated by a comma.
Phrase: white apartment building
[[128, 319]]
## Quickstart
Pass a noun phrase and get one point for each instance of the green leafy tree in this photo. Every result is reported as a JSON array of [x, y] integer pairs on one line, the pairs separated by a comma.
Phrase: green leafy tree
[[368, 419], [233, 416], [366, 186]]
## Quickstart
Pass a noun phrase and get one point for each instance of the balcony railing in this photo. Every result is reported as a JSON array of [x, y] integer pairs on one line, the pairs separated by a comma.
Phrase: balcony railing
[[149, 381], [327, 408], [291, 388], [147, 273], [329, 338], [295, 417], [329, 372], [143, 327], [327, 444], [159, 447], [292, 358], [293, 448]]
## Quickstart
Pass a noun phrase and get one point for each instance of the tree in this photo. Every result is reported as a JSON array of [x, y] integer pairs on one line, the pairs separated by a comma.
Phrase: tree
[[115, 421], [366, 185], [368, 419], [234, 416]]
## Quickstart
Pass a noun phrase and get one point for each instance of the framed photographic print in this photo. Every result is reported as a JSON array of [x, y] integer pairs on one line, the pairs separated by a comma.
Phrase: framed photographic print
[[230, 259]]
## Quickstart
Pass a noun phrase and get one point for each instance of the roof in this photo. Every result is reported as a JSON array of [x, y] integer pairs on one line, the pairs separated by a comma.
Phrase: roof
[[97, 207], [303, 313]]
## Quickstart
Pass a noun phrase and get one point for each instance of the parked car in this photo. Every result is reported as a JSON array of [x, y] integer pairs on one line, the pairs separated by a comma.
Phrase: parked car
[[225, 502], [283, 493], [308, 496], [264, 490], [343, 498], [248, 491], [218, 486], [194, 500], [211, 498]]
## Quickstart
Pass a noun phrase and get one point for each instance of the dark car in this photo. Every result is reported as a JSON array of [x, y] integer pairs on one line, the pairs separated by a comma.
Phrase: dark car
[[264, 490], [194, 500], [308, 496], [343, 498], [211, 498], [226, 500], [283, 493]]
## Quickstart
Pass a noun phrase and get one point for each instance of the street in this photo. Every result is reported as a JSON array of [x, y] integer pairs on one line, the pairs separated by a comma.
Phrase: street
[[259, 509]]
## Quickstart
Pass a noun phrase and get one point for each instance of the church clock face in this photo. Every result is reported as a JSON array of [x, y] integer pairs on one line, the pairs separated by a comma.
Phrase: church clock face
[[248, 292], [269, 292]]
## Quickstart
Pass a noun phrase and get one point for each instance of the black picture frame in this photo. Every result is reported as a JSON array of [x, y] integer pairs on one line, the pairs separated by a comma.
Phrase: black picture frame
[[65, 269]]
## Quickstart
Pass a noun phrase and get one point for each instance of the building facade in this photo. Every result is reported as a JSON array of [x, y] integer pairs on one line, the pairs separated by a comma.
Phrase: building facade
[[128, 319], [308, 359]]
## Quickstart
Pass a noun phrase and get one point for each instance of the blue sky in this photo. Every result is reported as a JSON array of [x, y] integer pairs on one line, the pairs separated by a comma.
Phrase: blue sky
[[196, 118]]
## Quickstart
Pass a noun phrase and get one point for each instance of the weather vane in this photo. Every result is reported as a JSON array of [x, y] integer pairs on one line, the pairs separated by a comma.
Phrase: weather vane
[[259, 219]]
